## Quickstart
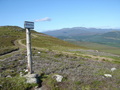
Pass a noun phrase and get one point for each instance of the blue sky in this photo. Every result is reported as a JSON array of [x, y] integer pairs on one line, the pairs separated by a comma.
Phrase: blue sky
[[63, 13]]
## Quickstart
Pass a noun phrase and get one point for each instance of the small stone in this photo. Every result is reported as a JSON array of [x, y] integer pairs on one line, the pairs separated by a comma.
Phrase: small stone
[[9, 76], [107, 75], [26, 70], [39, 52], [113, 69], [21, 74], [58, 78]]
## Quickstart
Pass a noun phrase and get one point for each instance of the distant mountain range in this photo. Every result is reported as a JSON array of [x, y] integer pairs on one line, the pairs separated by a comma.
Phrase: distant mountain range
[[78, 31], [103, 36]]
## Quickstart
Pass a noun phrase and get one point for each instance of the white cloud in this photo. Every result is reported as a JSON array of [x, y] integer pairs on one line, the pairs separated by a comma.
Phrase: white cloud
[[43, 19]]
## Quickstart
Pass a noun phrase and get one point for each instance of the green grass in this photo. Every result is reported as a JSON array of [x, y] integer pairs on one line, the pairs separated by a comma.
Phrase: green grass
[[99, 47], [15, 83], [48, 42], [8, 49], [9, 34]]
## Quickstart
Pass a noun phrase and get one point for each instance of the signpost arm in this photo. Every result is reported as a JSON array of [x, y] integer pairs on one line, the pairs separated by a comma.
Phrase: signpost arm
[[29, 53]]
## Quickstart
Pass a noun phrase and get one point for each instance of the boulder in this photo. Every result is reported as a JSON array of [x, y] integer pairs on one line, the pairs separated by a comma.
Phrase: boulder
[[31, 78]]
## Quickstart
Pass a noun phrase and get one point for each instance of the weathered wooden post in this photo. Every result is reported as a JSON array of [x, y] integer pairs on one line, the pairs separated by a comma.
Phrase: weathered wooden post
[[29, 25]]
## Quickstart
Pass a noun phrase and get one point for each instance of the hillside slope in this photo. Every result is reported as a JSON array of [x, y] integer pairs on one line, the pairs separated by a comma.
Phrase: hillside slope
[[8, 36], [11, 35], [110, 38], [102, 36]]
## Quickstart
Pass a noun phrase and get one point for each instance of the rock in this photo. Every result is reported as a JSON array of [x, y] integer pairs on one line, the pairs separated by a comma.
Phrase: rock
[[0, 86], [38, 88], [113, 69], [9, 76], [31, 75], [58, 78], [31, 78], [107, 75], [39, 52], [21, 74], [26, 70]]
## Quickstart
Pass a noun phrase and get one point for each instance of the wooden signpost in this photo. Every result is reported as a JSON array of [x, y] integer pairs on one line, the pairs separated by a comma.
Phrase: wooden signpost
[[29, 25]]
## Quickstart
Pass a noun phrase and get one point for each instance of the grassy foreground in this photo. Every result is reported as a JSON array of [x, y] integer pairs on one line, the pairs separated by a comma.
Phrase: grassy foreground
[[79, 72]]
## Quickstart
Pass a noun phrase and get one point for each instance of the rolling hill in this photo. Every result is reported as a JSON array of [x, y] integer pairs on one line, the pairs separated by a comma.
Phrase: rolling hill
[[81, 68], [9, 36], [109, 37], [77, 31]]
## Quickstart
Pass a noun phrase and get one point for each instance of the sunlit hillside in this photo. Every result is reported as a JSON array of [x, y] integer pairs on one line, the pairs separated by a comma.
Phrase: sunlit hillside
[[82, 67], [10, 35]]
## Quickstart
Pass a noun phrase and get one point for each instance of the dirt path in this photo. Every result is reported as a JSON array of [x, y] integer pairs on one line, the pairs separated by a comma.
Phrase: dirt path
[[98, 57], [22, 47], [19, 44]]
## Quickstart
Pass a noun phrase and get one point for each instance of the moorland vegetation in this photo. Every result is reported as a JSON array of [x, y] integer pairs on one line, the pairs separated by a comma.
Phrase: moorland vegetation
[[81, 67]]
